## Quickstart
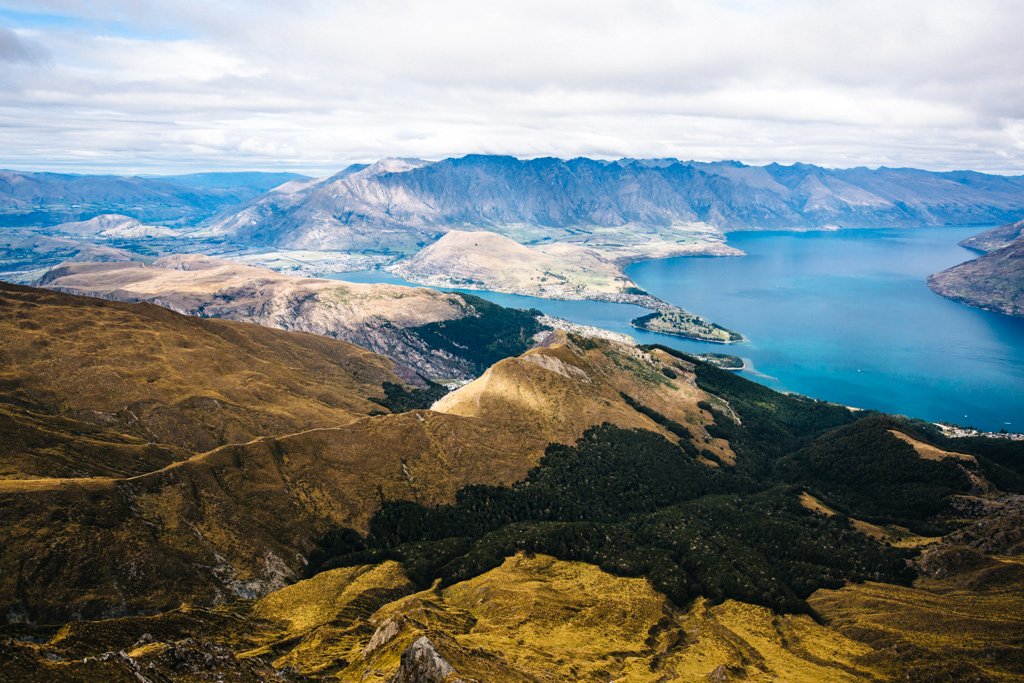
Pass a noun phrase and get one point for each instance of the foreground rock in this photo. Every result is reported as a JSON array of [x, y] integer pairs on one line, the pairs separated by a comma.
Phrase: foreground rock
[[543, 620]]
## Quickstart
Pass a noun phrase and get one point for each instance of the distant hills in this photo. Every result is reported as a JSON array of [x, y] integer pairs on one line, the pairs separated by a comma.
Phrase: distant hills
[[41, 199], [993, 281], [402, 204]]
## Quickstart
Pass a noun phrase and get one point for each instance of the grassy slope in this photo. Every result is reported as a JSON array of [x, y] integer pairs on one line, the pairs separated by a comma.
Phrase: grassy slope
[[142, 374], [536, 618], [237, 520]]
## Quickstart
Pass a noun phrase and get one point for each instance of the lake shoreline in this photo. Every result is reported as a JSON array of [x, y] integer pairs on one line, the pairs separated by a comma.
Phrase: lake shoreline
[[844, 316]]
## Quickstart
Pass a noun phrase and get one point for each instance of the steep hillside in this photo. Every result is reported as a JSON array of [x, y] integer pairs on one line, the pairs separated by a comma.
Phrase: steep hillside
[[993, 281], [398, 322], [568, 384], [236, 522], [240, 519], [401, 205]]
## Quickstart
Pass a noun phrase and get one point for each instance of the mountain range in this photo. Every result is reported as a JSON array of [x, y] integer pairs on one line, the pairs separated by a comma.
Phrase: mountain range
[[402, 204], [45, 199]]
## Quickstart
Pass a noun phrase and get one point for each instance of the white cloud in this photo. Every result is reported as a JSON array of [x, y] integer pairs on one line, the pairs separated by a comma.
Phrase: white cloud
[[315, 85]]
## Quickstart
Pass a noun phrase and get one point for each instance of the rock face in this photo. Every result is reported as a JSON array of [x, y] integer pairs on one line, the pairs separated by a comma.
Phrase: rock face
[[403, 204], [993, 281], [422, 663], [382, 318]]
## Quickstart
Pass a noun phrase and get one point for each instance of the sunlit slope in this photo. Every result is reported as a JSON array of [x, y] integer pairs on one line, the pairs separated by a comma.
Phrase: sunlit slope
[[964, 626], [535, 618], [567, 384]]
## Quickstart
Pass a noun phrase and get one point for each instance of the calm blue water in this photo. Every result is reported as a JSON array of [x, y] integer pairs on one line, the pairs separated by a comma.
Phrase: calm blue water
[[844, 316]]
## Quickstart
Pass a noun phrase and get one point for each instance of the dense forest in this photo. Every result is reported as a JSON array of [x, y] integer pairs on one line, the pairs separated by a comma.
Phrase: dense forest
[[400, 399], [494, 333]]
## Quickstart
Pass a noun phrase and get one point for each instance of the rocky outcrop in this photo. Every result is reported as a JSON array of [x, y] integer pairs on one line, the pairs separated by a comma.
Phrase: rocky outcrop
[[422, 663]]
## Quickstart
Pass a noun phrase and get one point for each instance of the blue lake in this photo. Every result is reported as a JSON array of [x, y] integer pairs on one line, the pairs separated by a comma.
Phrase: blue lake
[[844, 316]]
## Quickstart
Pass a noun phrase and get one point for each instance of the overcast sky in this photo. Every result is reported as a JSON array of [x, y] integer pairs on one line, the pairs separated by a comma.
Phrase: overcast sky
[[134, 85]]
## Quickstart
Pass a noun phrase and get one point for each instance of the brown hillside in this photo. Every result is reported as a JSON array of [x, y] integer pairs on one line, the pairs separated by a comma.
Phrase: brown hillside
[[92, 387], [234, 522], [374, 316], [568, 384]]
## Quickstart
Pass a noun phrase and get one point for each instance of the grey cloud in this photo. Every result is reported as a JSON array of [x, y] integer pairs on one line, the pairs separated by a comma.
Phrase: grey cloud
[[14, 48]]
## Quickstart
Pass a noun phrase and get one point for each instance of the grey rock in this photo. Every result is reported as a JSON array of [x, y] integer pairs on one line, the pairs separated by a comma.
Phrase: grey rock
[[422, 663]]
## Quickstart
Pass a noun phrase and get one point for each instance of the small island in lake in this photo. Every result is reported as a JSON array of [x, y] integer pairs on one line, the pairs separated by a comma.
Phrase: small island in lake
[[722, 360], [682, 323]]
